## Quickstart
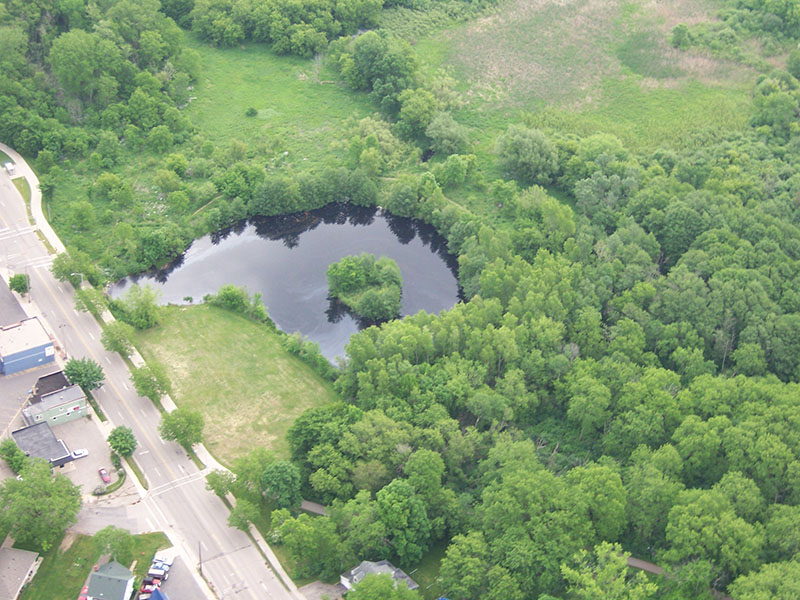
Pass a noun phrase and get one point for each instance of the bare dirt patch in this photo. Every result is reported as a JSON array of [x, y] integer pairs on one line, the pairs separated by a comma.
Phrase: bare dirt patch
[[67, 541]]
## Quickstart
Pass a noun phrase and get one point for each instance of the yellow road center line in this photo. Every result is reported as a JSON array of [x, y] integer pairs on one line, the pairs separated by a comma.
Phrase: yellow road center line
[[110, 382]]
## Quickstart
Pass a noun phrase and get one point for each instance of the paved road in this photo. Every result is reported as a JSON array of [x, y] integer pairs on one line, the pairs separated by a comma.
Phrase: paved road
[[177, 501]]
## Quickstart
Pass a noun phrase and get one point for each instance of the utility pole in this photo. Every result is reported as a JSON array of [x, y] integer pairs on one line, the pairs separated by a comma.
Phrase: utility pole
[[200, 554]]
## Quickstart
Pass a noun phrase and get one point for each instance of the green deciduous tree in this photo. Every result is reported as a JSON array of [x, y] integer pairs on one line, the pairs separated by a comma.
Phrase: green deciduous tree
[[220, 482], [446, 134], [84, 372], [605, 496], [280, 482], [122, 440], [19, 283], [13, 455], [313, 542], [697, 522], [468, 571], [381, 587], [91, 300], [140, 307], [527, 154], [38, 508], [403, 514], [774, 581], [116, 542], [183, 425], [244, 513], [150, 381], [116, 337], [603, 574]]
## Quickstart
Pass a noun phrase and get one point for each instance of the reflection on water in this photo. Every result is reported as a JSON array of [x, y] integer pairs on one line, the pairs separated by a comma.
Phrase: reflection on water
[[285, 258]]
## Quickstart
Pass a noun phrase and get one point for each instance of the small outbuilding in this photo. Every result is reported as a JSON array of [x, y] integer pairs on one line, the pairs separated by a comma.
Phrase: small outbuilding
[[57, 407], [17, 567], [24, 345], [111, 581], [382, 567], [39, 441]]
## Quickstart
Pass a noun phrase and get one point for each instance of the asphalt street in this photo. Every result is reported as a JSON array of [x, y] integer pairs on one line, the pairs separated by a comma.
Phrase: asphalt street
[[177, 501]]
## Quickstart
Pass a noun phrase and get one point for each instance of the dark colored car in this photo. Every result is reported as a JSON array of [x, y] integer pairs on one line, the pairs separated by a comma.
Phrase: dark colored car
[[104, 475]]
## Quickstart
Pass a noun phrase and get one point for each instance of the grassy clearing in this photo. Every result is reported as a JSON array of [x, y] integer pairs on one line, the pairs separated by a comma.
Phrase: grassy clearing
[[300, 109], [62, 573], [4, 158], [237, 374], [426, 573], [584, 66]]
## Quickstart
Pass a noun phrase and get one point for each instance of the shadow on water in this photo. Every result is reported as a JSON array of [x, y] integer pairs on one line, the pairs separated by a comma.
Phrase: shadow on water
[[285, 258]]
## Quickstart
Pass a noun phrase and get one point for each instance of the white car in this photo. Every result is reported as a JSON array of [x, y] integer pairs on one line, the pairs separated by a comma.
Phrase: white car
[[80, 453]]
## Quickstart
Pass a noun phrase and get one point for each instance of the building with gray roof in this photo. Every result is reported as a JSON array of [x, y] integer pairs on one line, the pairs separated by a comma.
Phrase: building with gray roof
[[38, 441], [111, 581], [382, 567], [17, 567], [47, 384], [57, 407]]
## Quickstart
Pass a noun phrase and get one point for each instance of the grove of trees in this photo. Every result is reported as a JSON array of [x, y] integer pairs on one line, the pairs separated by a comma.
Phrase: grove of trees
[[370, 287]]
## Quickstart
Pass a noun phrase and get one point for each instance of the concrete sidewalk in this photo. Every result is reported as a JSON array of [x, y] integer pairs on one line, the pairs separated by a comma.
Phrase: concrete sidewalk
[[24, 170]]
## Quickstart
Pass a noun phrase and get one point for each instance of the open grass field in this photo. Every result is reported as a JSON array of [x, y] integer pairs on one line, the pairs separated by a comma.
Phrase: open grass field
[[584, 66], [237, 374], [62, 573], [301, 110]]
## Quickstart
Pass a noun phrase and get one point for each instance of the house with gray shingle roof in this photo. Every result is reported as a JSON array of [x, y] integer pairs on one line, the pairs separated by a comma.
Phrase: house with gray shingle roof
[[112, 581], [381, 567], [17, 567]]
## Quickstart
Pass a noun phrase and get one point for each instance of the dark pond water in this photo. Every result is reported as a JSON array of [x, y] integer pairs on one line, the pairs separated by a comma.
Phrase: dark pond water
[[285, 259]]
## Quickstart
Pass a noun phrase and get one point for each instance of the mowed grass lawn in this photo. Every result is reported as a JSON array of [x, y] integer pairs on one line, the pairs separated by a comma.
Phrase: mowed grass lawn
[[301, 109], [236, 373], [62, 574]]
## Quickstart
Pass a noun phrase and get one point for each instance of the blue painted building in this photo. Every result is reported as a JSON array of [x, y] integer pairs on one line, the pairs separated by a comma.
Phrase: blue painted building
[[24, 345]]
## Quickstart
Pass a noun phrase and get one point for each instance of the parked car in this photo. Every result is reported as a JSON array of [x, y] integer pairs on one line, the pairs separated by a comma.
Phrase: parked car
[[146, 589], [80, 453], [104, 475], [144, 596], [84, 593], [158, 573]]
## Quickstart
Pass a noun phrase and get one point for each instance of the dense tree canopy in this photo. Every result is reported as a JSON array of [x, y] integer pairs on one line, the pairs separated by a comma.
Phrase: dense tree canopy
[[39, 506]]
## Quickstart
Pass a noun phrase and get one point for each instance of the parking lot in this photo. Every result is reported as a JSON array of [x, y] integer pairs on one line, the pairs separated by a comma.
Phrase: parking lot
[[181, 583], [84, 433]]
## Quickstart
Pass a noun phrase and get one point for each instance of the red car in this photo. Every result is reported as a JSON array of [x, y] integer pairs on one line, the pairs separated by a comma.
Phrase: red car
[[104, 475], [84, 593]]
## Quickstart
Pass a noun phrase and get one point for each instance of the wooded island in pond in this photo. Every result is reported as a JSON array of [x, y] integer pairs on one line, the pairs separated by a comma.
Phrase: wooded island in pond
[[369, 287]]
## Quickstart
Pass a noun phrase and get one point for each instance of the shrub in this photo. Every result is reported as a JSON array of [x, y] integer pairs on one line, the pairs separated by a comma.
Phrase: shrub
[[527, 154]]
